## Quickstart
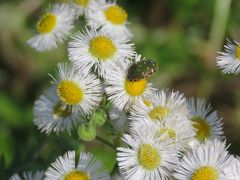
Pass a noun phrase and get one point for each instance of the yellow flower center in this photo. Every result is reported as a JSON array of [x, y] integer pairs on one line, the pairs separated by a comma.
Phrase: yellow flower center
[[102, 47], [148, 156], [158, 113], [205, 173], [203, 128], [47, 23], [58, 112], [147, 102], [69, 92], [83, 3], [168, 133], [116, 15], [135, 88], [76, 175], [237, 52]]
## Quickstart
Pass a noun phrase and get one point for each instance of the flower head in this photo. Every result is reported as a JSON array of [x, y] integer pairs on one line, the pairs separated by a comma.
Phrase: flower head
[[229, 60], [39, 175], [87, 168], [102, 51], [53, 27]]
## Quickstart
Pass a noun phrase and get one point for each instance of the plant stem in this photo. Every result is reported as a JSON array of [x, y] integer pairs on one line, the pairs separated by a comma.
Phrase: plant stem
[[105, 142]]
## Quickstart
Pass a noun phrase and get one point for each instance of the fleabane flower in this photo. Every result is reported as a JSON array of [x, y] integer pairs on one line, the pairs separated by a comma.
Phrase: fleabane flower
[[85, 6], [229, 60], [122, 92], [38, 175], [50, 117], [87, 168], [77, 91], [109, 17], [178, 131], [204, 162], [206, 121], [99, 50], [146, 156], [160, 106], [53, 27]]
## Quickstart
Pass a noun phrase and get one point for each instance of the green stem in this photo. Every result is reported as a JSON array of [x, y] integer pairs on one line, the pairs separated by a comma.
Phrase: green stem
[[105, 142]]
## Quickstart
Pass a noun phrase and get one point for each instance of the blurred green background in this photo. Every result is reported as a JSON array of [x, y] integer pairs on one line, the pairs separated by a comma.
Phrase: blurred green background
[[183, 36]]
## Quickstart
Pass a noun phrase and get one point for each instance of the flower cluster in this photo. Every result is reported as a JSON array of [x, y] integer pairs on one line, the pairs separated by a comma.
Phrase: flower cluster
[[158, 133]]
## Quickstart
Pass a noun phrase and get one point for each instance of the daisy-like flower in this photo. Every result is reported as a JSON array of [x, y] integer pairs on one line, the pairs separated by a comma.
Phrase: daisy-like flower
[[233, 170], [53, 27], [82, 92], [39, 175], [229, 60], [84, 6], [49, 117], [124, 93], [100, 50], [146, 156], [118, 119], [87, 168], [178, 131], [110, 17], [206, 122], [204, 162], [160, 106]]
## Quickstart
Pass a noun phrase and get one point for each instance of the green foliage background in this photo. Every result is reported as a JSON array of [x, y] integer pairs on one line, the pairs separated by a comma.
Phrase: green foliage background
[[183, 36]]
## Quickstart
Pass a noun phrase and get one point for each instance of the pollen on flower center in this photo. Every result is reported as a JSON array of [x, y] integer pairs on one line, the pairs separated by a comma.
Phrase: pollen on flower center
[[135, 88], [47, 23], [158, 113], [102, 47], [58, 112], [237, 52], [69, 92], [116, 15], [168, 132], [148, 156], [203, 128], [83, 3], [76, 175], [206, 173]]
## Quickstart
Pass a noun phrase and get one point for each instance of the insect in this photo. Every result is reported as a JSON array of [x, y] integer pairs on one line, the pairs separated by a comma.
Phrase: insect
[[142, 70]]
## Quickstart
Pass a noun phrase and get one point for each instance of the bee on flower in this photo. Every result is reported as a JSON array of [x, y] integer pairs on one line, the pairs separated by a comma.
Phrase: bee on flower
[[229, 60], [53, 27], [124, 93]]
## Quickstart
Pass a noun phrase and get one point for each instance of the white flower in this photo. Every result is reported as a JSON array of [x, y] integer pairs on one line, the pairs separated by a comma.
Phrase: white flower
[[146, 156], [206, 122], [84, 6], [110, 17], [204, 162], [86, 168], [124, 93], [233, 170], [53, 27], [229, 60], [28, 176], [118, 119], [48, 115], [102, 51], [160, 106], [82, 92]]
